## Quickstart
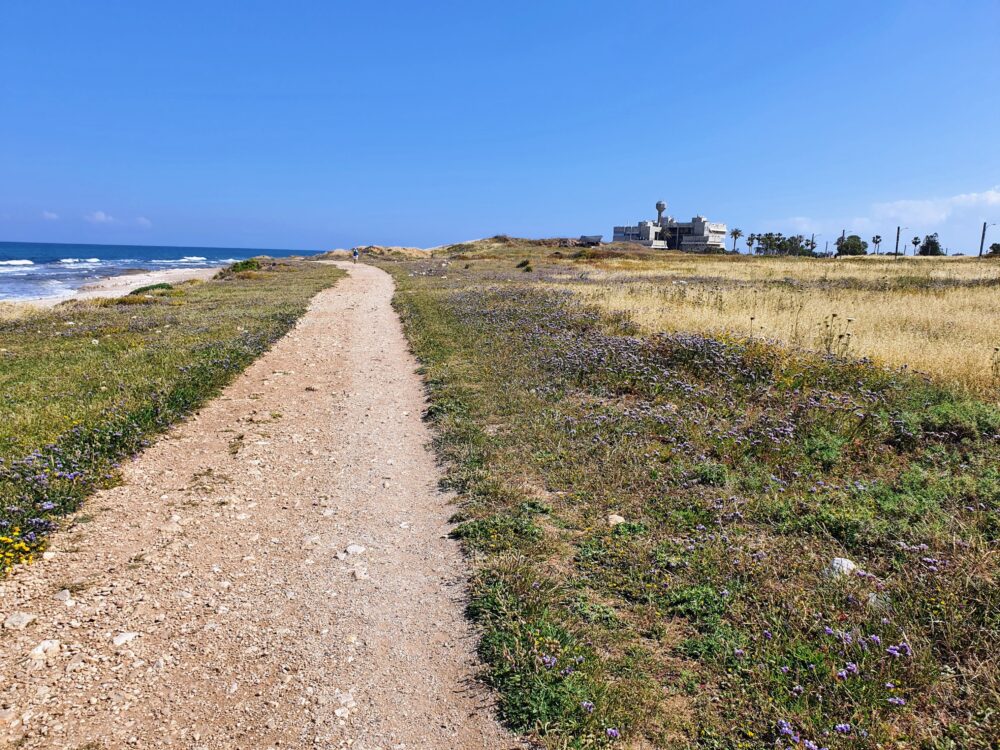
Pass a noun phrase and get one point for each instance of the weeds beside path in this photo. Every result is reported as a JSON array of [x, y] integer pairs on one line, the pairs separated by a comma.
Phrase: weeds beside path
[[654, 521]]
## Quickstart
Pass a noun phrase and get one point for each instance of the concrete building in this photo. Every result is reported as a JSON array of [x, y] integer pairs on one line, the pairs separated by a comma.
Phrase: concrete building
[[698, 235]]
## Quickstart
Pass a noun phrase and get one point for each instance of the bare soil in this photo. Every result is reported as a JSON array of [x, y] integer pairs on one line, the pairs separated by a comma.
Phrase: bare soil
[[275, 572]]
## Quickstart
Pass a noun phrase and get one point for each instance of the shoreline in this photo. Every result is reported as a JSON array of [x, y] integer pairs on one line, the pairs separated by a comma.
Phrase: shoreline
[[120, 284]]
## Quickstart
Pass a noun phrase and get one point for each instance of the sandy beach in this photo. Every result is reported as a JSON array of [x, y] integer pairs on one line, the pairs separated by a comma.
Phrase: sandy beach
[[117, 286]]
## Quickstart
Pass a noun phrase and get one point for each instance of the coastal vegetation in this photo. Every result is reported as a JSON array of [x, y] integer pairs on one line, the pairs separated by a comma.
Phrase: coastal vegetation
[[89, 383], [692, 527], [930, 315]]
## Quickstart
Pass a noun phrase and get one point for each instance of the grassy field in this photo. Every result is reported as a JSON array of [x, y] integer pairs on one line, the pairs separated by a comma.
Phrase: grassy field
[[87, 384], [653, 517], [934, 315]]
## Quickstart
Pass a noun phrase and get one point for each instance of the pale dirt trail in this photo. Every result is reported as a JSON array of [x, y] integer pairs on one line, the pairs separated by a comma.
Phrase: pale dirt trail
[[220, 598]]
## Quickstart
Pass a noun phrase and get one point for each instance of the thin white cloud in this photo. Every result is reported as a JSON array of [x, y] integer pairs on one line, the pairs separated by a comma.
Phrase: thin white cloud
[[956, 217], [143, 222], [50, 216], [99, 217], [935, 210]]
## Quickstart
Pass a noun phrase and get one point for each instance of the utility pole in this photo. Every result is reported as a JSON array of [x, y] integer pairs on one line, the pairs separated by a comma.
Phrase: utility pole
[[897, 242], [982, 240]]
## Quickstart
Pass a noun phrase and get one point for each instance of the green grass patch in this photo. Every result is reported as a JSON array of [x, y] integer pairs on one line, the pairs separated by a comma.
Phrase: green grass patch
[[707, 618]]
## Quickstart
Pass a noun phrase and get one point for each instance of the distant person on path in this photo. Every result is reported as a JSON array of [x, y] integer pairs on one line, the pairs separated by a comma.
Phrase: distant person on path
[[355, 254]]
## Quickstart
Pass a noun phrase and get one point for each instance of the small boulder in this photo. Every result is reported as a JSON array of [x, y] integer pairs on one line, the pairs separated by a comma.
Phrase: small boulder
[[614, 519], [840, 567]]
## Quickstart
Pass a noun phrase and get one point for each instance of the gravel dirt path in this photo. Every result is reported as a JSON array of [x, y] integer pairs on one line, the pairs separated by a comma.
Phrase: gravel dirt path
[[275, 572]]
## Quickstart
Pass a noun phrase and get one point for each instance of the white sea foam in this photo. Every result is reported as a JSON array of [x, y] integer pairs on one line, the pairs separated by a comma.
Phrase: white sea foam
[[16, 263], [185, 259]]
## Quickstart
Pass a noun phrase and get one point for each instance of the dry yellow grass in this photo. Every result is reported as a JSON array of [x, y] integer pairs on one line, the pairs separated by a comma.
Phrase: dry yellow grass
[[16, 310], [937, 316]]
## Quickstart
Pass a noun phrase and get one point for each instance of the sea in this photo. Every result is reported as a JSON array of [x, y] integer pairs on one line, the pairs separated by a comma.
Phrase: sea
[[42, 270]]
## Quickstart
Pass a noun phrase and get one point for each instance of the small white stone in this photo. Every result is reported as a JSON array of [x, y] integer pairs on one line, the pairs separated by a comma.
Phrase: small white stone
[[122, 638], [63, 596], [614, 519], [19, 621], [355, 549], [45, 650]]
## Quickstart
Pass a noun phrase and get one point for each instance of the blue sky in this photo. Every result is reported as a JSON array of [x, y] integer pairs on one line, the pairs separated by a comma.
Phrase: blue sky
[[324, 124]]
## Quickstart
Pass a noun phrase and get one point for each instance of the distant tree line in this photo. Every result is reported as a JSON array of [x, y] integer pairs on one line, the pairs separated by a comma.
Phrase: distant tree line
[[776, 243]]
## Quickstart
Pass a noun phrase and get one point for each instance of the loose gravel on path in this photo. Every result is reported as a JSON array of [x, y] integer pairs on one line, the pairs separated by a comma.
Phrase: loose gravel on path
[[275, 572]]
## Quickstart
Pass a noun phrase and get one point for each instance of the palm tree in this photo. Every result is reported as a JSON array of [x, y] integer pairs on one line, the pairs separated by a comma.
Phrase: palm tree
[[735, 234], [876, 241], [916, 242], [751, 238]]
